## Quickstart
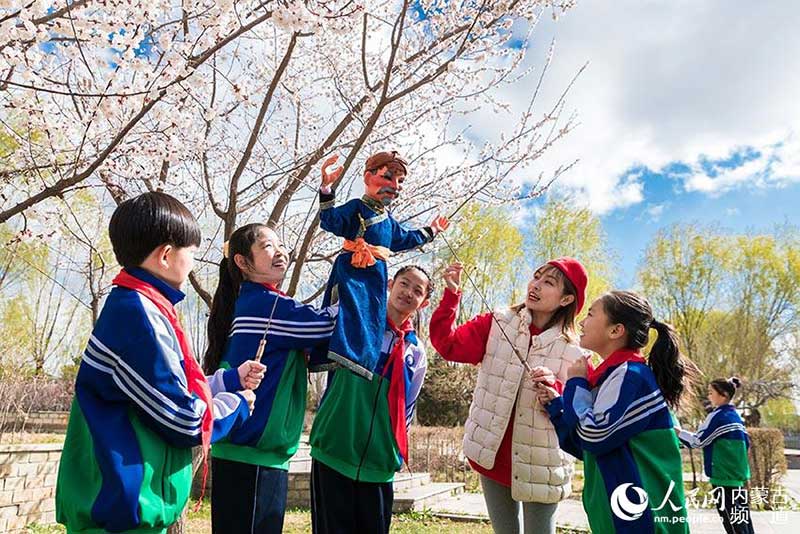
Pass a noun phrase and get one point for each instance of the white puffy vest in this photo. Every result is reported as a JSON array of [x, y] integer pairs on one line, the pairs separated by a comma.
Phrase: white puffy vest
[[541, 471]]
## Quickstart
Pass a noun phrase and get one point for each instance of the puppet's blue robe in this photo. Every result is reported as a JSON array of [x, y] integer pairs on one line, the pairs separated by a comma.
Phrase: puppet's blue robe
[[361, 292]]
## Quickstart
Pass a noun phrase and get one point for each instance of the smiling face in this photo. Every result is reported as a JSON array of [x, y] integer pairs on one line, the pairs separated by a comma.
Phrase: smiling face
[[598, 334], [546, 291], [269, 259], [385, 184], [408, 292]]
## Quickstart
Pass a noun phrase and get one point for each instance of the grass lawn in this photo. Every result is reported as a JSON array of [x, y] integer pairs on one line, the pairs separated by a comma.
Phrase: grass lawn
[[17, 438], [299, 522]]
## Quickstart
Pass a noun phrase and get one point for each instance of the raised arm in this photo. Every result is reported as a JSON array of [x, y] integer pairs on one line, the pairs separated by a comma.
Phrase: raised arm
[[465, 343]]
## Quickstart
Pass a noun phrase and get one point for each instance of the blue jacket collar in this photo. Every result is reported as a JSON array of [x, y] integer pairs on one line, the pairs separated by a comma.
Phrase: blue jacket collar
[[411, 337], [173, 295]]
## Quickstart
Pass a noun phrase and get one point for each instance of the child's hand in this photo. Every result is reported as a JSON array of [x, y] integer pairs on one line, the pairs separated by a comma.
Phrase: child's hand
[[439, 224], [329, 178], [251, 373], [543, 375], [545, 394], [250, 397], [578, 368], [452, 276]]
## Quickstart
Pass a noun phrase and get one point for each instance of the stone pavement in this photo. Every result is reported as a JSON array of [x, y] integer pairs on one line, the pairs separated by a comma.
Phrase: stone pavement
[[791, 481], [471, 507]]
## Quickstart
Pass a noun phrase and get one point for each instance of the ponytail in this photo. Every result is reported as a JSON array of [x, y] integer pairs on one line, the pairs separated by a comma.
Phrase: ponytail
[[672, 370], [674, 373], [221, 316], [224, 303]]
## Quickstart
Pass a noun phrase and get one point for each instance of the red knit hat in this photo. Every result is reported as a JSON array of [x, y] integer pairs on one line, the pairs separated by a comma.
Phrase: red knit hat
[[575, 273]]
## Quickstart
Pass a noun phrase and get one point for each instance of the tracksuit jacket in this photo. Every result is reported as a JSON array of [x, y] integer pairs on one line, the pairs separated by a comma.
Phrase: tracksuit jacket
[[724, 441], [352, 430], [270, 436], [126, 465], [622, 430]]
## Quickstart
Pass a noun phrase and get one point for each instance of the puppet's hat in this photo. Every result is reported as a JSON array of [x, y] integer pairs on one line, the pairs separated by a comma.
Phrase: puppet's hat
[[378, 160], [575, 273]]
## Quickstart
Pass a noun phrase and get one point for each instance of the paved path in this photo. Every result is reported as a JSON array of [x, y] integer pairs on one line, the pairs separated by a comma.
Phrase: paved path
[[791, 481], [470, 506]]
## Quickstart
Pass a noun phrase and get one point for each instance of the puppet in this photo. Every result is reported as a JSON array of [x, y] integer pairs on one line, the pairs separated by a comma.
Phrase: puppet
[[358, 280]]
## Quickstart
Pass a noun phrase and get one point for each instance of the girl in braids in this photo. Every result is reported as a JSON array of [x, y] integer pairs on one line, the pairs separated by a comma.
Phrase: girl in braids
[[724, 441], [616, 418], [250, 468]]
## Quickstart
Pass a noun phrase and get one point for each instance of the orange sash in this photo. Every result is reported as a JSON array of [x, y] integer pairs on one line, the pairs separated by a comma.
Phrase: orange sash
[[364, 254]]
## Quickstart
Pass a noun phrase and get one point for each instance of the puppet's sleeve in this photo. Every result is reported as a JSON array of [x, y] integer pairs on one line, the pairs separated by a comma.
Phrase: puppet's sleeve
[[338, 220], [403, 239]]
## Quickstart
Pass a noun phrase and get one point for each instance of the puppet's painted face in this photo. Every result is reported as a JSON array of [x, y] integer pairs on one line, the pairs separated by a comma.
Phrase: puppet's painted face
[[385, 184]]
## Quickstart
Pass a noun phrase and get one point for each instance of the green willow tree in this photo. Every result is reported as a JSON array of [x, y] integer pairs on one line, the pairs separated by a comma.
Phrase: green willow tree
[[565, 229], [682, 276], [734, 301], [490, 246]]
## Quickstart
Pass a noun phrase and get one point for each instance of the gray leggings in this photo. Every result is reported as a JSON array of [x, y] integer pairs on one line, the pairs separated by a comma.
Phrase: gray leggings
[[504, 512]]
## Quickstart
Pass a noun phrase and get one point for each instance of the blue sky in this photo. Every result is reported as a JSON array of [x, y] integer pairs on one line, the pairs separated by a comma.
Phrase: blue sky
[[688, 113], [630, 229]]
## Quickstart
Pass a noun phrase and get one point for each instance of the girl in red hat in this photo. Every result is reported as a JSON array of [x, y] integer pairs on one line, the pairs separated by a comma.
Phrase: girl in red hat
[[508, 438]]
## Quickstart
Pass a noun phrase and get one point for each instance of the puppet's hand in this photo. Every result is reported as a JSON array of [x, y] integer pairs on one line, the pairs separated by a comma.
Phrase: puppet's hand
[[452, 276], [439, 224], [328, 178]]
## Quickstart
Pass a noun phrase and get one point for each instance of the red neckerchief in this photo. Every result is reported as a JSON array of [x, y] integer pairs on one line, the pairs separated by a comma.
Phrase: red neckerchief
[[273, 288], [195, 378], [616, 358], [397, 385]]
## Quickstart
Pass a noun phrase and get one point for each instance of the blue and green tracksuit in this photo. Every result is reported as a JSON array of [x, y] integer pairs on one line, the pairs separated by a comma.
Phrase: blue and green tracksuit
[[272, 434], [352, 431], [724, 441], [126, 465], [623, 431]]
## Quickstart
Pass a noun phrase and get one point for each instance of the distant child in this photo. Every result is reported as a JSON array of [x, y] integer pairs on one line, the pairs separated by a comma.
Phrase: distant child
[[616, 418], [359, 439], [251, 466], [724, 441], [141, 400]]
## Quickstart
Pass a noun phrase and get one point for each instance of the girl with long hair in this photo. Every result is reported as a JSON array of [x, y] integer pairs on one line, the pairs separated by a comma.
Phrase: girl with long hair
[[250, 468], [508, 439], [616, 418]]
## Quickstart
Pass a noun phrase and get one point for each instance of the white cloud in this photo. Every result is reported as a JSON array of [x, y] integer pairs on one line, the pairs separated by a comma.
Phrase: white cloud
[[669, 81], [777, 165], [653, 212], [787, 159], [726, 179]]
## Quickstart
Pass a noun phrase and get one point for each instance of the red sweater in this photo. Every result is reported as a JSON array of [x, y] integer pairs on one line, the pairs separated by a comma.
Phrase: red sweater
[[467, 344]]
